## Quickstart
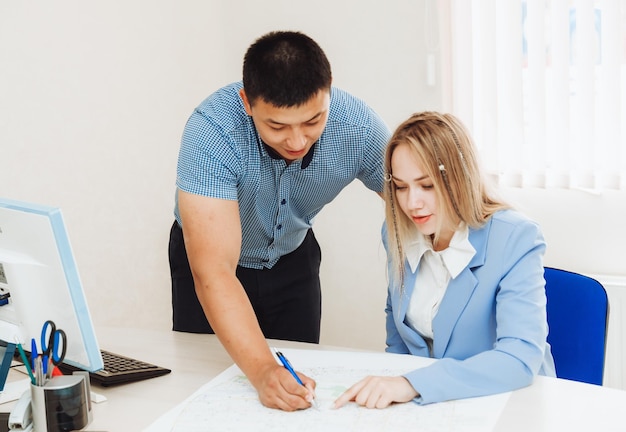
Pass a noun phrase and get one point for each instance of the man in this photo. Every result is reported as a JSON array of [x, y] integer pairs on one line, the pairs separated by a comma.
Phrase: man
[[258, 161]]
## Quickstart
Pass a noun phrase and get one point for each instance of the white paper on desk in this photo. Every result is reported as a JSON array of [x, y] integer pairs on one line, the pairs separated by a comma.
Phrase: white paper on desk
[[230, 403], [13, 390]]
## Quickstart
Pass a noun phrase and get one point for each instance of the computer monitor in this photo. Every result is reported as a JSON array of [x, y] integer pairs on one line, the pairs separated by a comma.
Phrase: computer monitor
[[39, 281]]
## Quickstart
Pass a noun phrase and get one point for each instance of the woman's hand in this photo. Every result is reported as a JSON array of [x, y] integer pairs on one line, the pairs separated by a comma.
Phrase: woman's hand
[[378, 392]]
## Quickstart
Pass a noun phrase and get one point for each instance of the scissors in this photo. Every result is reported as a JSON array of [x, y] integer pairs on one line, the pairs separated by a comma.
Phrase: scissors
[[52, 343]]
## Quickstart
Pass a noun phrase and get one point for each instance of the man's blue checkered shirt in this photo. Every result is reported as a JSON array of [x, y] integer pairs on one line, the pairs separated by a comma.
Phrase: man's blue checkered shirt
[[221, 156]]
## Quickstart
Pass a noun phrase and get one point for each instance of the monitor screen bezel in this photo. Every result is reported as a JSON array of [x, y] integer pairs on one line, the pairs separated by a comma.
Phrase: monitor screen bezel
[[84, 339]]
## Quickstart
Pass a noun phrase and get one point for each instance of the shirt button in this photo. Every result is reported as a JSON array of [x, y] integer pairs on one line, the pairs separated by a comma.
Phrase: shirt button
[[283, 201], [279, 227]]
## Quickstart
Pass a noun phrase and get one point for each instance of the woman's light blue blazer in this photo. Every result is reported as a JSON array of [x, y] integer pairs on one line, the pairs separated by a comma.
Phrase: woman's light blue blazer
[[490, 331]]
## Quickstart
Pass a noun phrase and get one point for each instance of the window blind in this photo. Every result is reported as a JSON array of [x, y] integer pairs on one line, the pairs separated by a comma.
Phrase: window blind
[[541, 84]]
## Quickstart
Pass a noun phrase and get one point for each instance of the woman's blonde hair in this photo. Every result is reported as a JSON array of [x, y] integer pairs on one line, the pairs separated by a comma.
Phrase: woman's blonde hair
[[447, 154]]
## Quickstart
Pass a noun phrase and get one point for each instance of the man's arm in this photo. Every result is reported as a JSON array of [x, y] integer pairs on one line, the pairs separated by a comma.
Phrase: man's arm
[[212, 233]]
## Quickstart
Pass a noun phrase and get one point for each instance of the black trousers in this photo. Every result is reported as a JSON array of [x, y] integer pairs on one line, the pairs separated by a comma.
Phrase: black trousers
[[287, 298]]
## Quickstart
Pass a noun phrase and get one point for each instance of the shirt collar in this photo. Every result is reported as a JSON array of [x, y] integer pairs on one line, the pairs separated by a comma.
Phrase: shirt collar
[[455, 257], [306, 160]]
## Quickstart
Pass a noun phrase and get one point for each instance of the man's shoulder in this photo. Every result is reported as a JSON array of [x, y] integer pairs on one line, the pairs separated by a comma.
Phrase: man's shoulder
[[223, 103], [352, 120], [223, 109], [347, 108]]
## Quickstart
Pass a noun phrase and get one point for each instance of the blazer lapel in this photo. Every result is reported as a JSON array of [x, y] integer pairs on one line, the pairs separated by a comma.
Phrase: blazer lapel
[[459, 292], [454, 301], [407, 291], [412, 338]]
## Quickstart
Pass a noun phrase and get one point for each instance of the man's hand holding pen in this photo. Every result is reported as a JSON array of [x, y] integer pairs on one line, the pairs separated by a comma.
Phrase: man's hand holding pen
[[278, 389], [310, 386]]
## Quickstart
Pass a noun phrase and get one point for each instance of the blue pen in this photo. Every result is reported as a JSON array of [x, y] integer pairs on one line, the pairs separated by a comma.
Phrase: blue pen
[[44, 365], [287, 366], [33, 352]]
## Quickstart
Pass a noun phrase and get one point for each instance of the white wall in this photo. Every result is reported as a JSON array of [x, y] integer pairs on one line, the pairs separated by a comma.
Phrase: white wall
[[94, 97], [93, 100]]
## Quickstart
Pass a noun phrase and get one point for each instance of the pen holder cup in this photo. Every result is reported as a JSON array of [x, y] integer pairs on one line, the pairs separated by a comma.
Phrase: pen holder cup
[[62, 404]]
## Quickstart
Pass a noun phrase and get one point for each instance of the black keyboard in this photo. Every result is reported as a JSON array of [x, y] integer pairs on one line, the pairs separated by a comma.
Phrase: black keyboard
[[119, 369]]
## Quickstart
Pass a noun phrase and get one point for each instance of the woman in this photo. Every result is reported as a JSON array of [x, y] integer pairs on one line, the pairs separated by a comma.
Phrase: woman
[[465, 270]]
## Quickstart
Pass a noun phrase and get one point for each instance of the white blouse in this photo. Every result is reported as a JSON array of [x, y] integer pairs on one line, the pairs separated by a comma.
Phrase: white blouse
[[435, 271]]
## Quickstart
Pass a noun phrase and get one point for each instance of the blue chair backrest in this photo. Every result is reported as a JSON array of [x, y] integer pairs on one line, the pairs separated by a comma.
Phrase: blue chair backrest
[[577, 311]]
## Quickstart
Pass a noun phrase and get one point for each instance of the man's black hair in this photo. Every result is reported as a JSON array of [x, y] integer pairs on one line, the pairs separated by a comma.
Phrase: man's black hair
[[285, 69]]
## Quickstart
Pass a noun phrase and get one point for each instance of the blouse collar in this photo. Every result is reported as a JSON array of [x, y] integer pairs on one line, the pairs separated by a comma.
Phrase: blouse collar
[[455, 257]]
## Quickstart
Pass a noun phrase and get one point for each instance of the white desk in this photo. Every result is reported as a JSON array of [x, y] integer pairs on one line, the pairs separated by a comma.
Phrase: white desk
[[549, 404]]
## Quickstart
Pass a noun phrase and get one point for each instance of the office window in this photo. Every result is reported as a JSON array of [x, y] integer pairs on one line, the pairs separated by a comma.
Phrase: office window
[[542, 86]]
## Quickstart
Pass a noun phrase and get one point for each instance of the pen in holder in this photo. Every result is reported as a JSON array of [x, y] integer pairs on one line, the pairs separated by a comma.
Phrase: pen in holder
[[62, 404]]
